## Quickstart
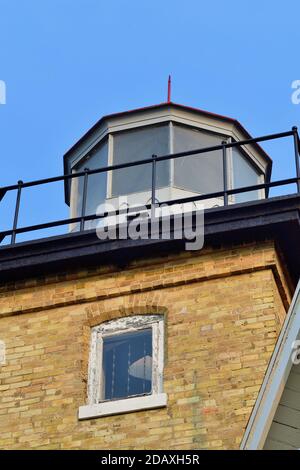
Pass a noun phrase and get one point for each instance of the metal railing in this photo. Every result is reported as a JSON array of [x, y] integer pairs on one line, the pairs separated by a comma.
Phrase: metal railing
[[20, 186]]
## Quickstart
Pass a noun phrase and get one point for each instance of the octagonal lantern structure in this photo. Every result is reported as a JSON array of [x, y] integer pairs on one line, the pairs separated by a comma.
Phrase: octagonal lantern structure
[[162, 129]]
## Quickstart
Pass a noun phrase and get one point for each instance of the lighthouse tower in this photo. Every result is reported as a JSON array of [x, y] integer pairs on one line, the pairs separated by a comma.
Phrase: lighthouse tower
[[132, 343]]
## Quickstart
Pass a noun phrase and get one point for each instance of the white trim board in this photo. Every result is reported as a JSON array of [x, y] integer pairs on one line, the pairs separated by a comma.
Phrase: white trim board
[[123, 406], [275, 379]]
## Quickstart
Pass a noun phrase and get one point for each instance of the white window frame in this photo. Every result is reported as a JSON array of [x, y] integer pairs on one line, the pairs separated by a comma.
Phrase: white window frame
[[96, 406], [170, 121]]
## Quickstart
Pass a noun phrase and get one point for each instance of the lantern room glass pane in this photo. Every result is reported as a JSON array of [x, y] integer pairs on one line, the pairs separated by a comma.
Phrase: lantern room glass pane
[[201, 173], [127, 364], [244, 174], [139, 144], [96, 189]]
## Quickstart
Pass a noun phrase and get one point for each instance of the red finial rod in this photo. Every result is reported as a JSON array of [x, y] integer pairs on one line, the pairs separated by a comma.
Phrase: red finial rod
[[169, 89]]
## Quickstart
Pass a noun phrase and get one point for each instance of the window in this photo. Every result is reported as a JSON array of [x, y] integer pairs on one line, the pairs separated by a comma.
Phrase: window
[[202, 173], [139, 144], [96, 188], [126, 366], [244, 174]]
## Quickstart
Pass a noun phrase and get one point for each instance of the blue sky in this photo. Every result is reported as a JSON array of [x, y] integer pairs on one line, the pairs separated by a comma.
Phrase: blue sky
[[67, 62]]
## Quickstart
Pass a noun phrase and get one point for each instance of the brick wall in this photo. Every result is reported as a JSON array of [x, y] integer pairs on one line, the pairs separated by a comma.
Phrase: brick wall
[[223, 310]]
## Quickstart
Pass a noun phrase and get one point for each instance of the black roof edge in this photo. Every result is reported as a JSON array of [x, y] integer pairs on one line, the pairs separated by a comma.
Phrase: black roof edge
[[276, 218]]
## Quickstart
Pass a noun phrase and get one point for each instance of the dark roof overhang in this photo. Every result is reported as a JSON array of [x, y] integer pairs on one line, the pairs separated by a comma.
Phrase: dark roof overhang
[[277, 218]]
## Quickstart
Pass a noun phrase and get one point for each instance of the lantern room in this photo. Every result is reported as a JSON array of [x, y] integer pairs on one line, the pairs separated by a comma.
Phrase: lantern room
[[162, 130]]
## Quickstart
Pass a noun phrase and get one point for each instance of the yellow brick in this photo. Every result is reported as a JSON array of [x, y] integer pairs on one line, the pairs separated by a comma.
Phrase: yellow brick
[[224, 311]]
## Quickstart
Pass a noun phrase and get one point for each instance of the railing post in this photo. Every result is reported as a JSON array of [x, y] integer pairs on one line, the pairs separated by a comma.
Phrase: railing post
[[83, 206], [225, 179], [296, 148], [16, 216], [153, 188]]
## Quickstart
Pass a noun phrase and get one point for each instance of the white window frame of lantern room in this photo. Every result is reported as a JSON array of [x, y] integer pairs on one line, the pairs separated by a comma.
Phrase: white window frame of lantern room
[[170, 123], [97, 407]]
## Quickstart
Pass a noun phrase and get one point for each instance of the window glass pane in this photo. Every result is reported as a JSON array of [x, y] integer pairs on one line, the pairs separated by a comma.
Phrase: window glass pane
[[202, 173], [96, 190], [244, 174], [139, 144], [127, 364]]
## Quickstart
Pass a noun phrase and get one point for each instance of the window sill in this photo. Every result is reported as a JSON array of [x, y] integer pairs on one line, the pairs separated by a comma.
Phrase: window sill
[[122, 406]]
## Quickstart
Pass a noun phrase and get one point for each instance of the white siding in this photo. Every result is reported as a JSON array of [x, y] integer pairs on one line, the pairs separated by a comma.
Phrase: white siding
[[285, 429]]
